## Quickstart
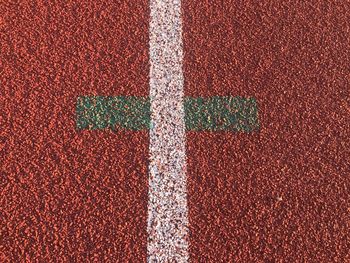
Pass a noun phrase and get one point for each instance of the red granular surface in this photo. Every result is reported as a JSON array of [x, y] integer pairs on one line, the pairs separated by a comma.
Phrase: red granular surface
[[278, 195], [281, 194], [68, 195]]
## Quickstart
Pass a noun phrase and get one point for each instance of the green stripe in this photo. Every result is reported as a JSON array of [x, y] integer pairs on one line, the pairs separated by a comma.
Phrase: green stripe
[[133, 113], [105, 112], [221, 113]]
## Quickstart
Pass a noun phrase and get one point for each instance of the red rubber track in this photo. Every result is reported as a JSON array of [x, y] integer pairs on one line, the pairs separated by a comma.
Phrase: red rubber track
[[281, 194], [65, 195], [278, 195]]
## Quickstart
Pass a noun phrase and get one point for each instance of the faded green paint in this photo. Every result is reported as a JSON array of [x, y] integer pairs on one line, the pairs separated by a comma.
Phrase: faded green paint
[[133, 113], [221, 113], [122, 112]]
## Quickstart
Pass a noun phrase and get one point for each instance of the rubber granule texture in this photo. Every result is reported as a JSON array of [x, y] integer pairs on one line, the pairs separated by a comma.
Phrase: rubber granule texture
[[68, 195], [281, 194], [277, 194]]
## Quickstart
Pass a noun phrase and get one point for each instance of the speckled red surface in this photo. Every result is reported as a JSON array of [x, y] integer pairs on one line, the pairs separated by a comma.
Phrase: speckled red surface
[[65, 195], [281, 194], [278, 195]]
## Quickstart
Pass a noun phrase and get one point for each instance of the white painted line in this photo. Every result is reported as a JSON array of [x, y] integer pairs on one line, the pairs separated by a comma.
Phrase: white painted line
[[167, 224]]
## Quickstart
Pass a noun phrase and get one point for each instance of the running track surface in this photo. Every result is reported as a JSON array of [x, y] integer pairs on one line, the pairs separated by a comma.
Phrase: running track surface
[[277, 195]]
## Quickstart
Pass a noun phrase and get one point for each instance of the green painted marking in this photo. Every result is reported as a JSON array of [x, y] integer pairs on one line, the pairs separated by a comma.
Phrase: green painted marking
[[221, 113], [105, 112], [133, 113]]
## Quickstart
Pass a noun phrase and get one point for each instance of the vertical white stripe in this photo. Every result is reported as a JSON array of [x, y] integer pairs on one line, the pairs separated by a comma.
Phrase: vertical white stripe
[[167, 224]]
